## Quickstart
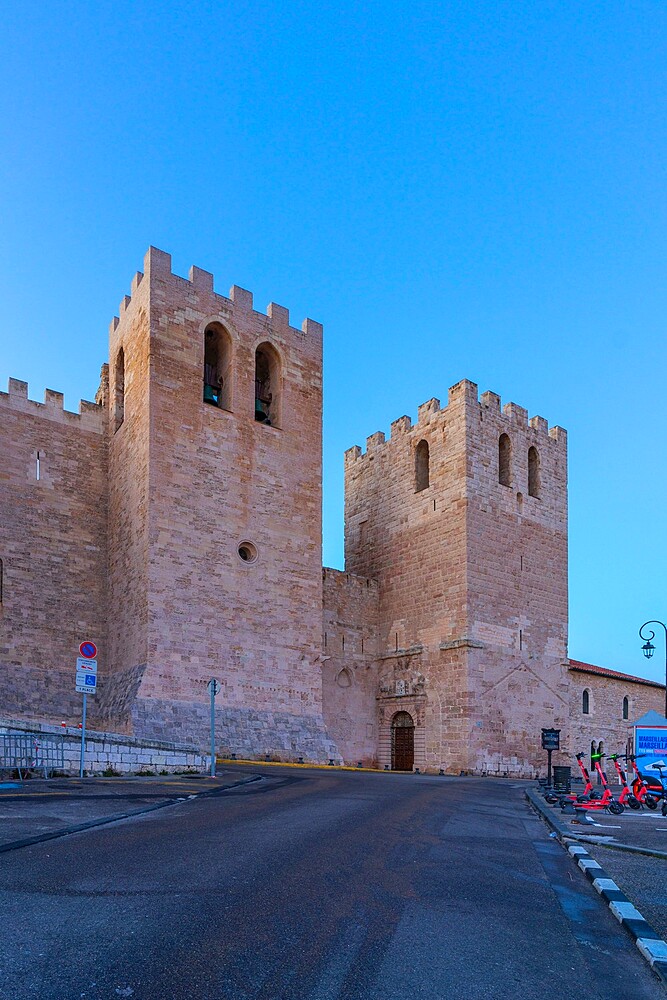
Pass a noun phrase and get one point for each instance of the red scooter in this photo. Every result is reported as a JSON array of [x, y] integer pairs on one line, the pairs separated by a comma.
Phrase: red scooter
[[589, 792], [647, 789], [606, 802], [626, 798]]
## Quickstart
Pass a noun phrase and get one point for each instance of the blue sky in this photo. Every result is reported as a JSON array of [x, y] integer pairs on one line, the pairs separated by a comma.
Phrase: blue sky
[[454, 189]]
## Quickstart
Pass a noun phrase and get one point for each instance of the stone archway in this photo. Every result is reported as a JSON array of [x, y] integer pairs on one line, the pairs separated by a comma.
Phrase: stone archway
[[402, 742]]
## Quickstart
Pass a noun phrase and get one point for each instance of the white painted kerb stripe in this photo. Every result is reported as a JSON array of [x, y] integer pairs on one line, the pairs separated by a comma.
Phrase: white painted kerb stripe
[[652, 950], [585, 863], [605, 883], [625, 911]]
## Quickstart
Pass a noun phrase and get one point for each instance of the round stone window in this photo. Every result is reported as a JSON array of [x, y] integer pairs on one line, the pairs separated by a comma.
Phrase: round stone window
[[247, 552]]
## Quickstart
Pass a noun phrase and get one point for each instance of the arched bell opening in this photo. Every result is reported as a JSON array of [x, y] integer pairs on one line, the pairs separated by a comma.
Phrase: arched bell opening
[[217, 366], [402, 742], [267, 386]]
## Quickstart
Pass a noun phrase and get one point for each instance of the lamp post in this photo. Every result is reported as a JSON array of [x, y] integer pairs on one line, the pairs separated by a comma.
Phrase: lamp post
[[648, 648]]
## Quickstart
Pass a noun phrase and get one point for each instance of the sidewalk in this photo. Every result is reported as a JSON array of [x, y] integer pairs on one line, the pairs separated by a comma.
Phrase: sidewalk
[[40, 810], [631, 848]]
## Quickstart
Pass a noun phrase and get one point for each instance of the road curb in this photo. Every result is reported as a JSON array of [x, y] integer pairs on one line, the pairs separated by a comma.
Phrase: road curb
[[304, 766], [648, 941], [104, 820]]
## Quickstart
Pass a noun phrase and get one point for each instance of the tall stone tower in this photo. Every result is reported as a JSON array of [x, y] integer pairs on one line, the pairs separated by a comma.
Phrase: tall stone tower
[[462, 520], [215, 416]]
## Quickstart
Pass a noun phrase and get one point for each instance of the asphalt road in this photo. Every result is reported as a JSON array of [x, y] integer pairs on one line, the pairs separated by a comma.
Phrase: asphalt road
[[314, 885]]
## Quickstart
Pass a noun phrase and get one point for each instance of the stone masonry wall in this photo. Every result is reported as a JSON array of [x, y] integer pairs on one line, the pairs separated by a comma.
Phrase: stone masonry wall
[[217, 478], [517, 580], [349, 667], [517, 544], [413, 541], [53, 549], [129, 450], [605, 722]]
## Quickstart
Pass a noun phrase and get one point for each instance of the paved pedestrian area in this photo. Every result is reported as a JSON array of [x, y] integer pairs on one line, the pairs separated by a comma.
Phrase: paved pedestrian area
[[632, 849]]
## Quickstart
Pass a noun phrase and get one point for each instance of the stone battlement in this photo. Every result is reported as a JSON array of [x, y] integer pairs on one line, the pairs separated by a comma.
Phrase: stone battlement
[[157, 266], [89, 417], [517, 416], [464, 392]]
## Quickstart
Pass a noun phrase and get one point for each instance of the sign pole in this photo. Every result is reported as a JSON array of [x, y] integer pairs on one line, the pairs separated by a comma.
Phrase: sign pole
[[213, 730], [214, 688], [83, 736]]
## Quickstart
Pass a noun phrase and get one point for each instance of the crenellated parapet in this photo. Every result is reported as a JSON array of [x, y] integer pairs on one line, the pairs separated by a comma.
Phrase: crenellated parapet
[[514, 417], [199, 286], [463, 402], [89, 416]]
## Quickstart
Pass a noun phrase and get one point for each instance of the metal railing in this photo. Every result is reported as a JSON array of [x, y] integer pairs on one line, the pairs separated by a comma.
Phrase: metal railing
[[32, 752]]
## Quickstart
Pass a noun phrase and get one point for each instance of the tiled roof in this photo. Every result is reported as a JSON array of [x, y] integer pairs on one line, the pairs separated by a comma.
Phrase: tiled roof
[[589, 668]]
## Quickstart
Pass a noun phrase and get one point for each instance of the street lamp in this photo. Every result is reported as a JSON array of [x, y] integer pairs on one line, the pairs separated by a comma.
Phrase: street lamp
[[648, 648]]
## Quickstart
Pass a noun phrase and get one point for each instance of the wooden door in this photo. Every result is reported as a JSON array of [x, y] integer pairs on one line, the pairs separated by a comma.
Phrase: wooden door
[[402, 747]]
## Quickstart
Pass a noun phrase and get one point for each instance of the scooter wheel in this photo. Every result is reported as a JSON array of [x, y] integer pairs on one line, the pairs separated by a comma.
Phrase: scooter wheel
[[651, 802], [615, 808], [551, 799], [664, 808], [633, 802]]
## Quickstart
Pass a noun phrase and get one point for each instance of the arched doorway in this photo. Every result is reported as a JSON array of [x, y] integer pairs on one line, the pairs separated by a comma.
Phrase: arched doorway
[[402, 742]]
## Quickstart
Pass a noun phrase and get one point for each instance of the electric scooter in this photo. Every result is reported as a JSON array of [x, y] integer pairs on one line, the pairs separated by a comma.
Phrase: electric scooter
[[626, 798], [589, 792], [647, 788], [606, 802], [660, 766]]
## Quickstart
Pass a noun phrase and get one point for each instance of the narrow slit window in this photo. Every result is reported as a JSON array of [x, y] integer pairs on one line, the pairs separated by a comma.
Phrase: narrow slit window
[[119, 389], [421, 466], [626, 700], [586, 703], [534, 484], [504, 460], [38, 466]]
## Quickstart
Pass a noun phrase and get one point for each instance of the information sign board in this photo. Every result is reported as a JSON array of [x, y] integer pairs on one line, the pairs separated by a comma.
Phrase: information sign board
[[86, 675], [86, 683], [551, 739]]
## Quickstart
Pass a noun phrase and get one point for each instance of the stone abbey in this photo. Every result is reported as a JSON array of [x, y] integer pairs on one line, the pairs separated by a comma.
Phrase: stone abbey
[[177, 523]]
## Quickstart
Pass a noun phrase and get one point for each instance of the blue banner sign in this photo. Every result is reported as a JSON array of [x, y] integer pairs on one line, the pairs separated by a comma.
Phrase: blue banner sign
[[651, 741]]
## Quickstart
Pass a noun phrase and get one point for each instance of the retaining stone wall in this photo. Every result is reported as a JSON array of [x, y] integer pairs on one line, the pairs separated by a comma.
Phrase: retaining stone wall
[[106, 751]]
